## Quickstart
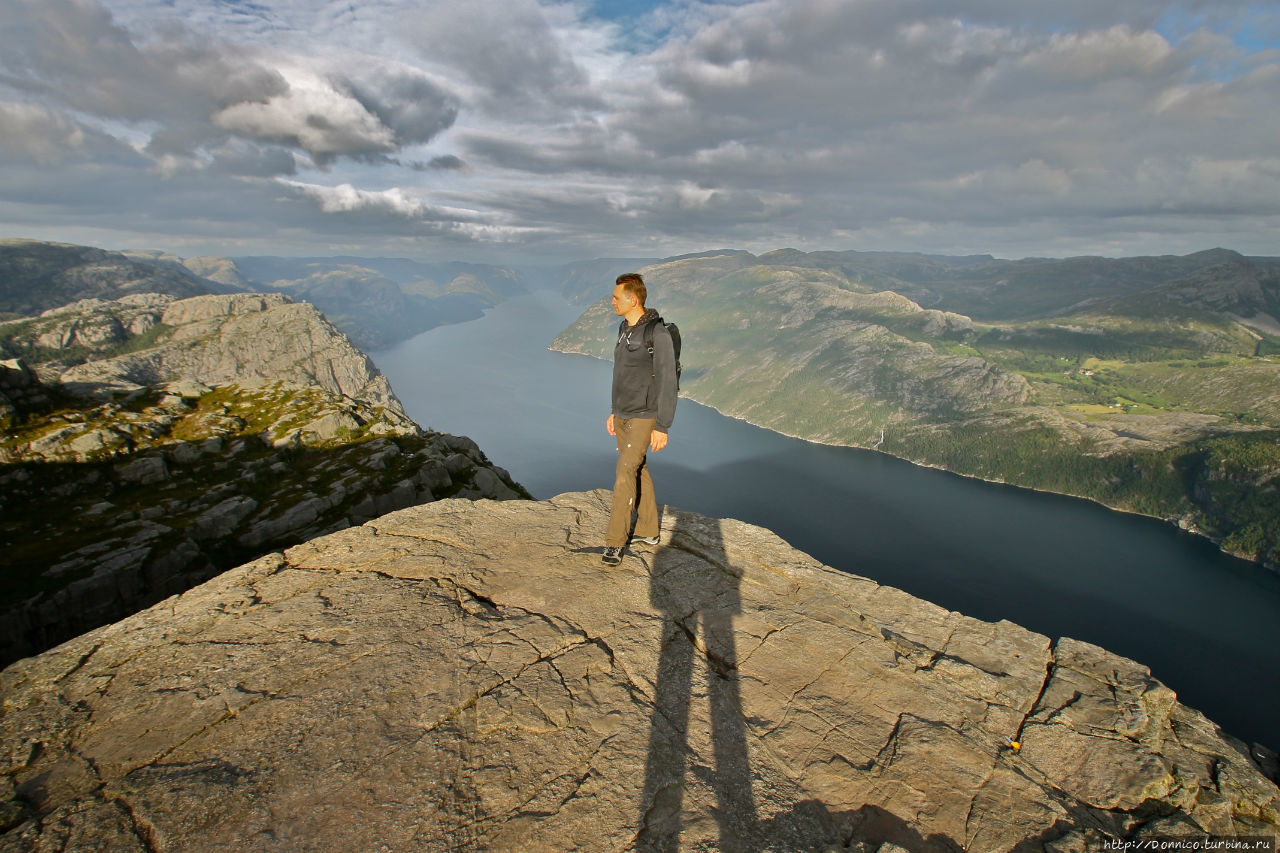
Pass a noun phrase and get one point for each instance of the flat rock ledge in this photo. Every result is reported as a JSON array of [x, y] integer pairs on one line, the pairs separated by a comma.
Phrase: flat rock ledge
[[467, 675]]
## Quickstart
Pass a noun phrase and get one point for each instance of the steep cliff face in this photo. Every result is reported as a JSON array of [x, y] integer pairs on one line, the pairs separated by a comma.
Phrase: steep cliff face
[[467, 675], [170, 440]]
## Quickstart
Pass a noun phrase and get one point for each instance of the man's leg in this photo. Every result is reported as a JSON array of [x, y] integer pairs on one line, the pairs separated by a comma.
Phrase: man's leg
[[646, 502], [633, 444]]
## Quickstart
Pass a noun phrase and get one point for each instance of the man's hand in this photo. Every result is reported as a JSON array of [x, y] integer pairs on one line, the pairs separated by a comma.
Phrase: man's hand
[[657, 440], [609, 425]]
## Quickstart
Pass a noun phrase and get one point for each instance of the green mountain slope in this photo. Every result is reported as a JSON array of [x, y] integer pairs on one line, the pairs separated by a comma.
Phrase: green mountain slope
[[1149, 384]]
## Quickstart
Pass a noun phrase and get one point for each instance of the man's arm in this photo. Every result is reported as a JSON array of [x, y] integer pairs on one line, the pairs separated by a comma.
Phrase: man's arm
[[664, 379]]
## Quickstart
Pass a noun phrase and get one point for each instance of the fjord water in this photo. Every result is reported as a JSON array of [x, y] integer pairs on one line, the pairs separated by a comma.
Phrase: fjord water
[[1207, 625]]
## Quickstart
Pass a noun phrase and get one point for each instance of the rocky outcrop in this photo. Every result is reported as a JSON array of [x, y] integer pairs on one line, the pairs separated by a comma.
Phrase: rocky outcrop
[[150, 339], [107, 509], [82, 330], [468, 676], [161, 441]]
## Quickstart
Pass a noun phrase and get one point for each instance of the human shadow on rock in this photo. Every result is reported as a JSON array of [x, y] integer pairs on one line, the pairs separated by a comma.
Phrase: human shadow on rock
[[696, 590]]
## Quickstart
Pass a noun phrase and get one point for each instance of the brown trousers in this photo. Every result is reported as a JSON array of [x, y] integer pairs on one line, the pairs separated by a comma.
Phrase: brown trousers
[[632, 487]]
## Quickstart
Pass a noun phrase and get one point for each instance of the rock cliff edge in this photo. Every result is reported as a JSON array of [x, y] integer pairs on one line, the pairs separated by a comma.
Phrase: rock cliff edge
[[467, 675]]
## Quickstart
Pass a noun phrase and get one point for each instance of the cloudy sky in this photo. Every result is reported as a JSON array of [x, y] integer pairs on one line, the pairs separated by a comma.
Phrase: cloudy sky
[[510, 130]]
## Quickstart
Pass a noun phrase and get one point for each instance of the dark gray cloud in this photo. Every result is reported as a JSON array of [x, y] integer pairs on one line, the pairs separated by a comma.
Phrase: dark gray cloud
[[414, 108], [253, 161], [447, 161], [507, 50]]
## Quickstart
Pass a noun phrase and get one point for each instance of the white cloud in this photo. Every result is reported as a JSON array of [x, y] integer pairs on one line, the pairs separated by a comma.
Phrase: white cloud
[[456, 224], [38, 133], [312, 115], [1103, 54], [345, 198]]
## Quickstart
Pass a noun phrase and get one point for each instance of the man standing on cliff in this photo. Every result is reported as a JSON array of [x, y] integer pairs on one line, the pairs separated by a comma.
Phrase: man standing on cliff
[[644, 405]]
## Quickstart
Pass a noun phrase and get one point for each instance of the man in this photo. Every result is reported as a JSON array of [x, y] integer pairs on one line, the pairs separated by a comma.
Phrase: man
[[644, 404]]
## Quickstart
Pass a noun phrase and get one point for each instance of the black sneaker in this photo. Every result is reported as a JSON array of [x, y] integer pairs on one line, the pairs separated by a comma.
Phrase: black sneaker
[[612, 556], [647, 540]]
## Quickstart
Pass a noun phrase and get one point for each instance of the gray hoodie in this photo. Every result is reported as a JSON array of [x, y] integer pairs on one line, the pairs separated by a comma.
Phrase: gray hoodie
[[645, 386]]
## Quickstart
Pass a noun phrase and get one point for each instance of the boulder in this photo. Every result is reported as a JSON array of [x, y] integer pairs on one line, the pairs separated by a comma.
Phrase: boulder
[[187, 389], [458, 464], [16, 376], [491, 486], [331, 425], [222, 519], [144, 469], [96, 442]]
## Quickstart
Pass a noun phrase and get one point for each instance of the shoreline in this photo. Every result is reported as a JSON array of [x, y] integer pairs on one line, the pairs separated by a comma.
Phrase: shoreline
[[1170, 521], [1275, 570]]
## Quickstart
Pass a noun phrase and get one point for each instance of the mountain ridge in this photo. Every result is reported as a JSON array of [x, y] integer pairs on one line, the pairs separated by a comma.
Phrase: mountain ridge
[[376, 301], [36, 276]]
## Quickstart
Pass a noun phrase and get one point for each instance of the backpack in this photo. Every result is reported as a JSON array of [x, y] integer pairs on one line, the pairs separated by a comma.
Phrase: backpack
[[674, 331]]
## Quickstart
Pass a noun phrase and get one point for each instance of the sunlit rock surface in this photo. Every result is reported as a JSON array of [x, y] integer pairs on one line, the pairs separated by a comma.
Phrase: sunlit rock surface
[[467, 675]]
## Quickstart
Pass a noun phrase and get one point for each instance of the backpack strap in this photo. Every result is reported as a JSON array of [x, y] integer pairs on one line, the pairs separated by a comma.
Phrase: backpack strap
[[648, 342]]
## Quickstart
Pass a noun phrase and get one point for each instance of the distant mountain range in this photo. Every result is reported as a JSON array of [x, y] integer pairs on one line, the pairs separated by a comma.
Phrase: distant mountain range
[[36, 276], [1148, 384], [987, 289], [377, 302]]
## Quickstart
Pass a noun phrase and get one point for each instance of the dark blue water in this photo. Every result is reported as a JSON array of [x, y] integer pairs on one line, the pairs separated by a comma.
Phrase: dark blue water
[[1207, 625]]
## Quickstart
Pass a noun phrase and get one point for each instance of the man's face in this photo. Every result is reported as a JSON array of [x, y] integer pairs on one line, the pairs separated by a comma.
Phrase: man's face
[[622, 302]]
